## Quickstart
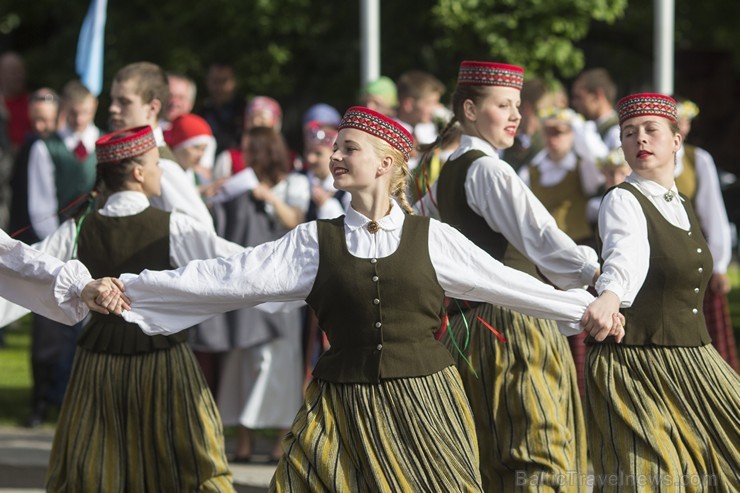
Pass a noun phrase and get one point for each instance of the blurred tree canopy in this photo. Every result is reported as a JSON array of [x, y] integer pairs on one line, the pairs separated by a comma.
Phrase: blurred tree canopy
[[305, 51]]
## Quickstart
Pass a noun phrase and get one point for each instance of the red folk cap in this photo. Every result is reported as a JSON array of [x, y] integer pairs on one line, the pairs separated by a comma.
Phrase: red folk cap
[[490, 74], [188, 129], [380, 126], [124, 144], [646, 103]]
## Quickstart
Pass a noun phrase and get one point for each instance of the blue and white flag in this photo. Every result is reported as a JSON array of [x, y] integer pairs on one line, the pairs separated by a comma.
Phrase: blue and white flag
[[89, 61]]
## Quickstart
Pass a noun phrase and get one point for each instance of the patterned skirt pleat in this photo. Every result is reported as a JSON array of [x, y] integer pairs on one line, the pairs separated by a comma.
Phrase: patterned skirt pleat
[[662, 419], [406, 434], [138, 423], [719, 326], [528, 415]]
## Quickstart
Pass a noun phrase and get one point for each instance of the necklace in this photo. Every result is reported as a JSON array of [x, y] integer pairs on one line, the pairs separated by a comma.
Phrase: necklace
[[668, 196], [373, 227]]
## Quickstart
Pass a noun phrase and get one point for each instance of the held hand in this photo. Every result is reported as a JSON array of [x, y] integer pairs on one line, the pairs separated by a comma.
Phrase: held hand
[[598, 320], [617, 327], [105, 296]]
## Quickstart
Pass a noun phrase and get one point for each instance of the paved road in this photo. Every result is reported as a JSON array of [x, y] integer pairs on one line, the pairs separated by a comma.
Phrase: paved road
[[24, 455]]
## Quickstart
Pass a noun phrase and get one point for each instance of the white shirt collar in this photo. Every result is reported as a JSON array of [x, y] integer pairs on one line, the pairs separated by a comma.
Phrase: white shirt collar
[[126, 203], [158, 136], [354, 220], [650, 187], [469, 143]]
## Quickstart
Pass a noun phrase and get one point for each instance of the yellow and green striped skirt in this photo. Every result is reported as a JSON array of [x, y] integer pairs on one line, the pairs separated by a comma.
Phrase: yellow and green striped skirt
[[406, 434], [525, 401], [662, 418], [144, 422]]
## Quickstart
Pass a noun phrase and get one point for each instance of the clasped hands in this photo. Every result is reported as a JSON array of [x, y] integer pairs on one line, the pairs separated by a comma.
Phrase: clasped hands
[[105, 296], [602, 318]]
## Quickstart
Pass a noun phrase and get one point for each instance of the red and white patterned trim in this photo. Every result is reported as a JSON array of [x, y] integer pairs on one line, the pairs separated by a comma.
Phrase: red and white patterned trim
[[374, 123]]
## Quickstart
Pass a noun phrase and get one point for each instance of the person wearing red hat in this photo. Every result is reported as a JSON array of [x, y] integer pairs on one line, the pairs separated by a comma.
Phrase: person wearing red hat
[[662, 406], [523, 392], [155, 407], [193, 144], [386, 410]]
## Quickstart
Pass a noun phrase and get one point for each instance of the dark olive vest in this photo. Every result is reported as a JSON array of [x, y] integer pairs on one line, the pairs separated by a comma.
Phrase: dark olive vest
[[380, 315], [110, 246], [166, 153], [565, 201], [667, 310], [454, 210], [72, 178]]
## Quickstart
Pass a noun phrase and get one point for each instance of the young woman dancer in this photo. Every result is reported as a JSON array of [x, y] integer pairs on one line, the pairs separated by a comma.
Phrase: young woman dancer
[[386, 410], [137, 414], [662, 407], [523, 392]]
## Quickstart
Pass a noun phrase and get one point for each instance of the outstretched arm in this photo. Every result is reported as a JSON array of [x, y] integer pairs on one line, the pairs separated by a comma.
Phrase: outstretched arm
[[164, 302]]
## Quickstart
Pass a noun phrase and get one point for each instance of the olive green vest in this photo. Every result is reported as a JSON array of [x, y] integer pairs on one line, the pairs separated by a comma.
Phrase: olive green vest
[[667, 310], [71, 177], [110, 246], [380, 315], [454, 210], [565, 201], [686, 181]]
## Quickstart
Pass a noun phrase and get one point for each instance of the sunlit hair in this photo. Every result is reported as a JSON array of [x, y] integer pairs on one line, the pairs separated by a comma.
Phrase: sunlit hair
[[399, 175]]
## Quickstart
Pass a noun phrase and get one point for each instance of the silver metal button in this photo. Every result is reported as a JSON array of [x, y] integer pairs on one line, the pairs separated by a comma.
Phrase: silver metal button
[[689, 233], [379, 347], [696, 290], [701, 269], [375, 278], [378, 324], [694, 311], [373, 261], [698, 250], [376, 301]]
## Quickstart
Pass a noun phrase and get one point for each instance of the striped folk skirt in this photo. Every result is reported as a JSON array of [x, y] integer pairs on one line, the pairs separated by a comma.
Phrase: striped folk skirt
[[138, 423], [406, 434], [662, 418], [719, 326], [524, 395]]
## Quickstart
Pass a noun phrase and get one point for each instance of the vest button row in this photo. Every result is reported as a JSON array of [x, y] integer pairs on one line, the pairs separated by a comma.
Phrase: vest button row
[[376, 301], [695, 311], [375, 278]]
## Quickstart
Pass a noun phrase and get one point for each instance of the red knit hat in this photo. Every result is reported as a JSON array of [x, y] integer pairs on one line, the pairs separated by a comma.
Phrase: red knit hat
[[380, 126], [131, 142], [188, 129], [646, 103], [490, 74]]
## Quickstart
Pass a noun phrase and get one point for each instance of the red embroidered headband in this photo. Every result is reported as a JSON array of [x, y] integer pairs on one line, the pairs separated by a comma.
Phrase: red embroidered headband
[[646, 103], [490, 74], [124, 144], [380, 126]]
